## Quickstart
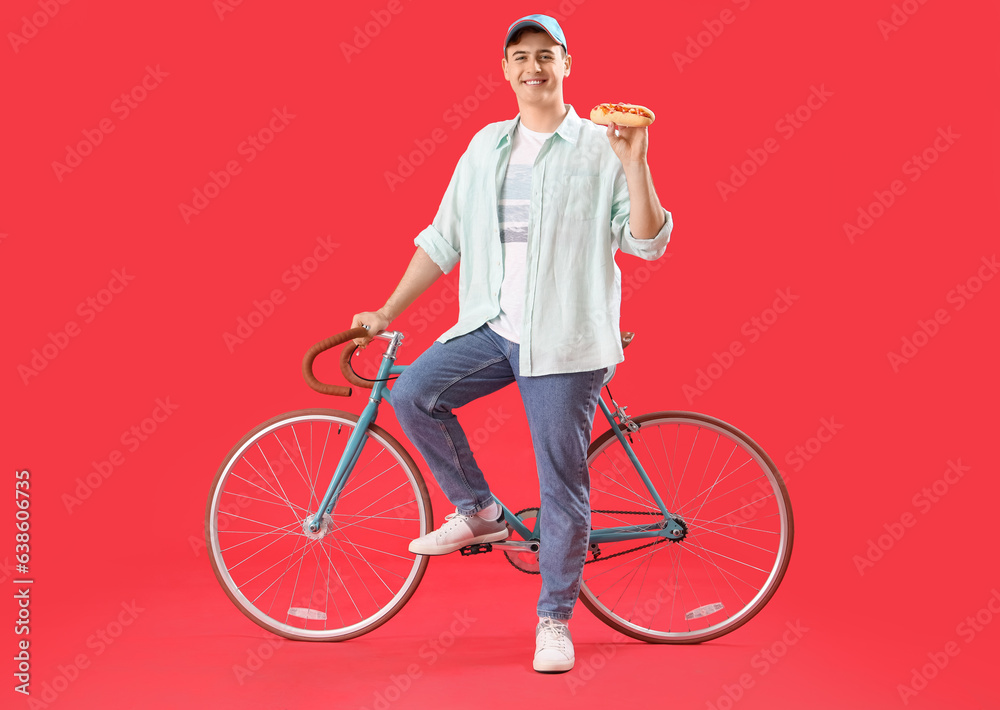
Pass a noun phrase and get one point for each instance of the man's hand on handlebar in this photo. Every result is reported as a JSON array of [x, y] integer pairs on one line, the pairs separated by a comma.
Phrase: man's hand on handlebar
[[375, 321]]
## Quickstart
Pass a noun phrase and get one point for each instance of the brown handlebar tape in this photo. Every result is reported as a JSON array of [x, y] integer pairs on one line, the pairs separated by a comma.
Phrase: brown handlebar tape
[[331, 342], [347, 372]]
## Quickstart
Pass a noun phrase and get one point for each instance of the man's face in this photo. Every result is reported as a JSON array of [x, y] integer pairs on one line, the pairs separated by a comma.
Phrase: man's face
[[535, 68]]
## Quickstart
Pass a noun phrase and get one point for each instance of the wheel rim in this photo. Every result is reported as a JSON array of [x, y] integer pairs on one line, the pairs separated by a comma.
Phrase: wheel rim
[[356, 571], [727, 492]]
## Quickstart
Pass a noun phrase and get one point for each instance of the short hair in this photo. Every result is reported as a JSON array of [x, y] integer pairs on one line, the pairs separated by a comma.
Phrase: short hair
[[516, 37]]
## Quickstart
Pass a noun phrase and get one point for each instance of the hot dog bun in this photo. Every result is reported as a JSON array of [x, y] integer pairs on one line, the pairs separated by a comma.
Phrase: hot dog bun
[[621, 114]]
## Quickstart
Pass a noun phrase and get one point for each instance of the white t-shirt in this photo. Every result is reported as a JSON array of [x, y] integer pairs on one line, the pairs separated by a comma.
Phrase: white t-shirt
[[513, 209]]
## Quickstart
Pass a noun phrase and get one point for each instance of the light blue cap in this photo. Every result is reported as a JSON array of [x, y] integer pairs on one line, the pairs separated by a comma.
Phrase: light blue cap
[[542, 22]]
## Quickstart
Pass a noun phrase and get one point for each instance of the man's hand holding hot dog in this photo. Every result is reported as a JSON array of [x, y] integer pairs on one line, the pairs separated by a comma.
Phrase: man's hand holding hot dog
[[630, 144]]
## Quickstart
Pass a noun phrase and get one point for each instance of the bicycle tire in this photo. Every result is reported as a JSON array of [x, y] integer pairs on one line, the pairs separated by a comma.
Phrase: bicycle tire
[[352, 577], [738, 541]]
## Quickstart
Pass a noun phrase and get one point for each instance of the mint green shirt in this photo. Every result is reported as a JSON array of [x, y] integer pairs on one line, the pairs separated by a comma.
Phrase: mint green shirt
[[578, 220]]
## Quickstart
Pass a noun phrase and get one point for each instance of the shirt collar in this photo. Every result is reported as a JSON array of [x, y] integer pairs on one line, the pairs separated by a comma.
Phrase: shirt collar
[[568, 130]]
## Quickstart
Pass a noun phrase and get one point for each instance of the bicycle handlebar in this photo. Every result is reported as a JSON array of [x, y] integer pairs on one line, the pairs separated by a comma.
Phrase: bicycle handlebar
[[345, 361], [345, 367]]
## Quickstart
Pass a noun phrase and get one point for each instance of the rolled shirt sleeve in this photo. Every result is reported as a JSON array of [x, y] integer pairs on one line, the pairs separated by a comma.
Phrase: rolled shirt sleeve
[[439, 249], [648, 249], [442, 238]]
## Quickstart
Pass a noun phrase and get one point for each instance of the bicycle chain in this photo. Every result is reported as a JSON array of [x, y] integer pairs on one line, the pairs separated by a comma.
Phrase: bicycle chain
[[617, 554]]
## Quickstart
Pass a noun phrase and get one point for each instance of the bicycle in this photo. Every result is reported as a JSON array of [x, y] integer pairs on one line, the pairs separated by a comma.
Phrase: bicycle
[[691, 524]]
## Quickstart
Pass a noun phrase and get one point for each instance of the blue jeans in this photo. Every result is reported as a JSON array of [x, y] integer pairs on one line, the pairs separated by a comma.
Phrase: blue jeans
[[560, 410]]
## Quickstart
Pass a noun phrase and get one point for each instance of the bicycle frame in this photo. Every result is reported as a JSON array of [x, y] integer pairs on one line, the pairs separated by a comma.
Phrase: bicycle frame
[[666, 527]]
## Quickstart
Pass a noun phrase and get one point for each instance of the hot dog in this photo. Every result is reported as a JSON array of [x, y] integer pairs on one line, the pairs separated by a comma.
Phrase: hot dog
[[621, 114]]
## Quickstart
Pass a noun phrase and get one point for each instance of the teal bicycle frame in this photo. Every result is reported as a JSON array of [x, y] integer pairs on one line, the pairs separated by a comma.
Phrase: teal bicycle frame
[[666, 527]]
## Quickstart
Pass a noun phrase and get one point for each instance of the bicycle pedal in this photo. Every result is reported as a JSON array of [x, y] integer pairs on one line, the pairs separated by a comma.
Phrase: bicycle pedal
[[477, 549]]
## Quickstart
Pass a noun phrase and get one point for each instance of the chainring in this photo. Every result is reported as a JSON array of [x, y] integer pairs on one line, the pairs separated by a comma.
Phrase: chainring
[[527, 562]]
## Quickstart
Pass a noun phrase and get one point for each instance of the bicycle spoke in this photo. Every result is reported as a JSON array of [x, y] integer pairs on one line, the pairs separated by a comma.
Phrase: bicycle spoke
[[621, 475], [717, 480], [729, 492], [261, 500], [649, 559], [258, 552], [280, 532], [732, 550], [354, 572], [340, 583], [281, 502], [718, 436], [731, 559], [284, 496]]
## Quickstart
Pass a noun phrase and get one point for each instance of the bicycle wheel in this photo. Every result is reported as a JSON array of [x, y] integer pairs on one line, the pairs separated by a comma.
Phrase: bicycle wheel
[[353, 574], [728, 494]]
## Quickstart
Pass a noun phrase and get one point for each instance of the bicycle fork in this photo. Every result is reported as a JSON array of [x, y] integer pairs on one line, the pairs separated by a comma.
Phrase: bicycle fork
[[316, 524]]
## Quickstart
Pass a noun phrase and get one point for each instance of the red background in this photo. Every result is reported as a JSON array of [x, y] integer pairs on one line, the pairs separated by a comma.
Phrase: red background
[[136, 537]]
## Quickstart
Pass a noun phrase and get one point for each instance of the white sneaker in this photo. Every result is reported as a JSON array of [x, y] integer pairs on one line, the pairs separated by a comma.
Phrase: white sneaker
[[459, 531], [553, 647]]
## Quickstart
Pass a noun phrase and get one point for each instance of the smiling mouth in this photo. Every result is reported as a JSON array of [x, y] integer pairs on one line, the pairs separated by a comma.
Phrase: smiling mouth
[[535, 82]]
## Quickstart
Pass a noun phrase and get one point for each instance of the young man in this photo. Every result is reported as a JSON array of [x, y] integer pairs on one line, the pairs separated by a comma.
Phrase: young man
[[535, 211]]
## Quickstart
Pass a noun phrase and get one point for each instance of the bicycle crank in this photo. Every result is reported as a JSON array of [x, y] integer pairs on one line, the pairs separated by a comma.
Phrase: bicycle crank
[[524, 555]]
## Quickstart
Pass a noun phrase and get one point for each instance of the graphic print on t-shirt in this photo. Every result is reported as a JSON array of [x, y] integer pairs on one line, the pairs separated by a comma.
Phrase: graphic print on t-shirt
[[515, 204]]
